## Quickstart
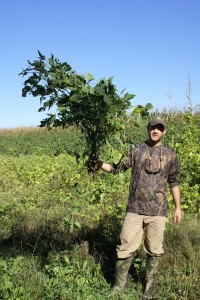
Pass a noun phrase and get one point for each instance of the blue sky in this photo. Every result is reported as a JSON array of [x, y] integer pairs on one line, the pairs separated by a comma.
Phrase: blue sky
[[150, 48]]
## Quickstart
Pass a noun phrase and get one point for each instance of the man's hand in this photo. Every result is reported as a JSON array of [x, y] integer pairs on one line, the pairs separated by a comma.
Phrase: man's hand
[[177, 216], [177, 200]]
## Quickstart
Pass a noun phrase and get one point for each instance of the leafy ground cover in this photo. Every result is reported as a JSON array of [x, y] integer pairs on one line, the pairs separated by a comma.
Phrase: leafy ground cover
[[59, 227]]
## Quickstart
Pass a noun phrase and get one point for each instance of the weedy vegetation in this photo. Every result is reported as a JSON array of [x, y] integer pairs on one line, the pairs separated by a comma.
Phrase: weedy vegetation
[[60, 226]]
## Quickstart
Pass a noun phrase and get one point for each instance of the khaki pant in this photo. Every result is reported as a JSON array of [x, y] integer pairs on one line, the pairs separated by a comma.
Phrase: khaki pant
[[134, 228]]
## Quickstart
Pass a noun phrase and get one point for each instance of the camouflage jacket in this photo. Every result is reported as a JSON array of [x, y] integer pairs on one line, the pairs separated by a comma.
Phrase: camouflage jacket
[[152, 168]]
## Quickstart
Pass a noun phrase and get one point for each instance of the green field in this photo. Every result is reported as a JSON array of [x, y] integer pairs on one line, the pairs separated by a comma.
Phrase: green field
[[60, 225]]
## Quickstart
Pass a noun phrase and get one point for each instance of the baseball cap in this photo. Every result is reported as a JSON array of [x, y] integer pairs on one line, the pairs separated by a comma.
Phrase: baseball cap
[[157, 120]]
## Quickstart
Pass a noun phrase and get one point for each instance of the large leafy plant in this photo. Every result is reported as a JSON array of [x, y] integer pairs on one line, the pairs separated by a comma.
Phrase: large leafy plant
[[94, 107]]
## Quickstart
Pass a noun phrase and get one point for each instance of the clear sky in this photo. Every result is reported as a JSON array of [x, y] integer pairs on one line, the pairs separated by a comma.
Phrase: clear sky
[[150, 47]]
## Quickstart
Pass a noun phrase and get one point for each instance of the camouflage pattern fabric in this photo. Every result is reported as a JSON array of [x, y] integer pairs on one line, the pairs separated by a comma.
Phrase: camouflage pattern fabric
[[152, 168]]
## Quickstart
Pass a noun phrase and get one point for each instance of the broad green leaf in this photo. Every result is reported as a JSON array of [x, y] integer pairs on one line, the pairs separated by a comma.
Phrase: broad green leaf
[[149, 106], [129, 96], [89, 76], [140, 121], [136, 111]]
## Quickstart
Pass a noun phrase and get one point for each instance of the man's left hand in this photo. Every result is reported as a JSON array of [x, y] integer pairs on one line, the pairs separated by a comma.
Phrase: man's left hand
[[177, 216]]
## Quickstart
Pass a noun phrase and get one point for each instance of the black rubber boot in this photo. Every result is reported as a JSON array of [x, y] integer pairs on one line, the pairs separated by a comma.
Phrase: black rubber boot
[[150, 280], [121, 271]]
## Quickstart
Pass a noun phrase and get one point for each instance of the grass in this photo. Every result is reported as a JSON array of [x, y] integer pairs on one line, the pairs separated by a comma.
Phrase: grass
[[85, 270]]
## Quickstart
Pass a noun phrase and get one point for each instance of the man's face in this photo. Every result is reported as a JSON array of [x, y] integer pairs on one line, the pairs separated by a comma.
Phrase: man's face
[[156, 134]]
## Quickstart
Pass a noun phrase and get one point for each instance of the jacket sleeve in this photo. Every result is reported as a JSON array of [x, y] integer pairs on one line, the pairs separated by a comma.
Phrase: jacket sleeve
[[174, 173]]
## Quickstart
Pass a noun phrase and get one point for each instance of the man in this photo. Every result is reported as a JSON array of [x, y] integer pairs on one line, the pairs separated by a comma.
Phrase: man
[[153, 165]]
